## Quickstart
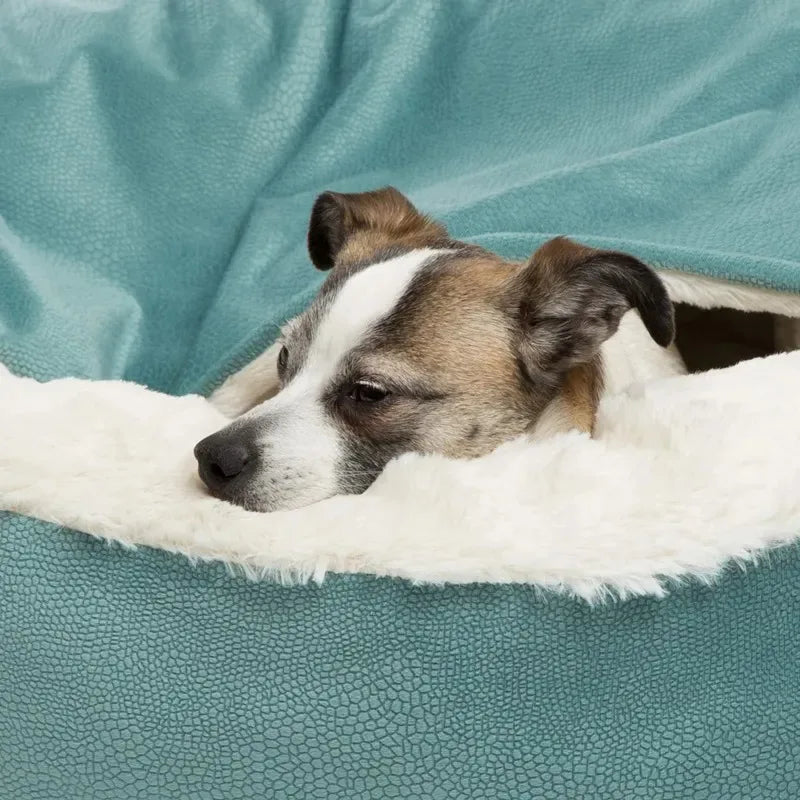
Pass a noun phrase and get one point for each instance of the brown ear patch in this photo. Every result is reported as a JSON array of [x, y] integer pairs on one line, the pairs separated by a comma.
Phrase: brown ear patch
[[570, 298], [560, 253], [607, 282], [349, 228]]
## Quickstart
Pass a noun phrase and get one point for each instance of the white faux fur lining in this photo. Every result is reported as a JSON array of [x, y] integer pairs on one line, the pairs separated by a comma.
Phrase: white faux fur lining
[[686, 473], [705, 292]]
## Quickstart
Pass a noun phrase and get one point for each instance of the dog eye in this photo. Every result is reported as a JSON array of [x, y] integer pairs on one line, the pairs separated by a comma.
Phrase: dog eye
[[366, 392], [283, 357]]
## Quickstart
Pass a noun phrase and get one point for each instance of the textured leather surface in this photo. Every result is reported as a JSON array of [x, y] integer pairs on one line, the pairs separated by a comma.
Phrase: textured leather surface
[[157, 164], [132, 675], [158, 160]]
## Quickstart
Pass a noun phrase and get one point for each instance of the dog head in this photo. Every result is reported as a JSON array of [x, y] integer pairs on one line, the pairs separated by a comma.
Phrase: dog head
[[420, 343]]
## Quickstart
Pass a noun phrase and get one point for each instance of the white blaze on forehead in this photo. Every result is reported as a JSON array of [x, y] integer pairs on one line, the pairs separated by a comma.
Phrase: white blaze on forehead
[[301, 446], [363, 300]]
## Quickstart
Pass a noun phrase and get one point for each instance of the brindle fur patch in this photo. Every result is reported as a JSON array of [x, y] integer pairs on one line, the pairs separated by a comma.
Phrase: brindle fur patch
[[477, 347]]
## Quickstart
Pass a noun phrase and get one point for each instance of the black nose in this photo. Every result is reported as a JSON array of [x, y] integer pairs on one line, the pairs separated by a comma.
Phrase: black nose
[[222, 457]]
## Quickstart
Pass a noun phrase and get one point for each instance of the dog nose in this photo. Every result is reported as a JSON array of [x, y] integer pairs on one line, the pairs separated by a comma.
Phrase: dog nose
[[221, 458]]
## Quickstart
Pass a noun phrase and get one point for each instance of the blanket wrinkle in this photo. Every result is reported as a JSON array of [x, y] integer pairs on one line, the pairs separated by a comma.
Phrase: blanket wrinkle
[[516, 179], [213, 297], [158, 161]]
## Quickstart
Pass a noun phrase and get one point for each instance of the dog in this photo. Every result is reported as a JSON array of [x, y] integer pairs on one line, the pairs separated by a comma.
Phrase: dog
[[420, 343]]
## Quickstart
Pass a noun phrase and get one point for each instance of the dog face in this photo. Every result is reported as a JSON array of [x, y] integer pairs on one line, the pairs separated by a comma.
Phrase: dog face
[[419, 343]]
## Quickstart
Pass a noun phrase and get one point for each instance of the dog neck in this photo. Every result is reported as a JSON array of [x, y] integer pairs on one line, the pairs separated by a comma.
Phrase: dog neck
[[575, 405]]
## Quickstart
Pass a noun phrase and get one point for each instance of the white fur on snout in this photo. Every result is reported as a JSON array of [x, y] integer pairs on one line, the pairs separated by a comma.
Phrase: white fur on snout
[[300, 446]]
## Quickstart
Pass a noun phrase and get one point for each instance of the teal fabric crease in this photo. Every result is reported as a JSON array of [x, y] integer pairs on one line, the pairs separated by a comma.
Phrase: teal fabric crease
[[158, 162]]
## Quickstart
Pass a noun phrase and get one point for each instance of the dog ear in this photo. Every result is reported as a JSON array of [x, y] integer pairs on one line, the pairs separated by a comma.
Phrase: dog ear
[[357, 225], [569, 299]]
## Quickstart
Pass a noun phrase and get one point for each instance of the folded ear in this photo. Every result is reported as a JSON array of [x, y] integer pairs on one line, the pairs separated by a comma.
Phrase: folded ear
[[569, 299], [352, 226]]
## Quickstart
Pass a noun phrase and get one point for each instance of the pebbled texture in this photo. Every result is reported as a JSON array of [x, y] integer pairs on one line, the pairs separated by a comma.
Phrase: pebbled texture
[[158, 160], [134, 675], [157, 164]]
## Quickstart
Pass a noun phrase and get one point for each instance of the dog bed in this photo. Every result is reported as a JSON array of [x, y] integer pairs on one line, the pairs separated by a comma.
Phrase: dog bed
[[608, 617]]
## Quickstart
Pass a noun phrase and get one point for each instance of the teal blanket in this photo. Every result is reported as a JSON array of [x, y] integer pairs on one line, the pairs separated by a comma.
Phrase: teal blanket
[[158, 161]]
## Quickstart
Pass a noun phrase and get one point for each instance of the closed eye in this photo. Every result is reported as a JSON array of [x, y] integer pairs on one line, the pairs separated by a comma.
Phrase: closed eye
[[367, 392]]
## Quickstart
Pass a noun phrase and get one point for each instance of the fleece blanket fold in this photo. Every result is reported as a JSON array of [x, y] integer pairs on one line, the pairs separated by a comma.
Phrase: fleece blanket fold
[[643, 503], [158, 161]]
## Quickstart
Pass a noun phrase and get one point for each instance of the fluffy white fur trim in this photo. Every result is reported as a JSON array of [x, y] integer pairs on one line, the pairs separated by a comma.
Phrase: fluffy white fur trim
[[686, 473]]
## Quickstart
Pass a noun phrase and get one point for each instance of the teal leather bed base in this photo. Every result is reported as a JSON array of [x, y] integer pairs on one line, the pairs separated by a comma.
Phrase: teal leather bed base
[[157, 164]]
